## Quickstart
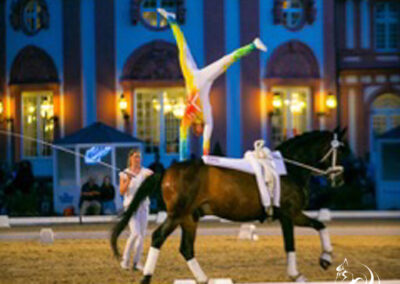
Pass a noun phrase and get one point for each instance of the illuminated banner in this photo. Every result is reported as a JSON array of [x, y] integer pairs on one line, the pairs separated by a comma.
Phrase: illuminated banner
[[94, 154]]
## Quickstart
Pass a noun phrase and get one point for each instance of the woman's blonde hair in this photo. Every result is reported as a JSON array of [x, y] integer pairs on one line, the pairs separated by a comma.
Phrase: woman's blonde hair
[[131, 152]]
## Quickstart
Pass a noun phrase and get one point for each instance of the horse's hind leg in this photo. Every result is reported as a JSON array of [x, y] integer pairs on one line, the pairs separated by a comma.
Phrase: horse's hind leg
[[189, 226], [158, 238], [325, 259], [288, 236]]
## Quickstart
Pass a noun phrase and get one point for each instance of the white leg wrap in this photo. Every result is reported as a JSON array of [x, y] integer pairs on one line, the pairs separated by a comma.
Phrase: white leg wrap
[[291, 262], [151, 261], [325, 240], [197, 271]]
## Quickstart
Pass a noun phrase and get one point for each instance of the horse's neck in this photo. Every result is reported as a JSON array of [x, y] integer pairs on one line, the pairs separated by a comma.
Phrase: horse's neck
[[301, 174]]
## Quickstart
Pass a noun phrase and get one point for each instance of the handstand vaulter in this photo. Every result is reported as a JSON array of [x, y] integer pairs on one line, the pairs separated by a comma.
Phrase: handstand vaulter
[[198, 84]]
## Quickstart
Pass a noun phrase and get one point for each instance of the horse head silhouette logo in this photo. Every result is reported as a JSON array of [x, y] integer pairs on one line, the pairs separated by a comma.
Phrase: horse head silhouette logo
[[346, 276]]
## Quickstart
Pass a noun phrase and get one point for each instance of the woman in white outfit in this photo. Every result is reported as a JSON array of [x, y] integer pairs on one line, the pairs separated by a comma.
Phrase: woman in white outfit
[[130, 180], [267, 177]]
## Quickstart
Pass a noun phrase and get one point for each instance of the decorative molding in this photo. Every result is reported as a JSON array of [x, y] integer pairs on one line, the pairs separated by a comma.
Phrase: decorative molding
[[157, 60], [309, 14], [351, 79], [33, 65], [370, 91], [17, 16], [380, 78], [386, 58], [366, 79], [135, 15], [352, 59], [394, 78]]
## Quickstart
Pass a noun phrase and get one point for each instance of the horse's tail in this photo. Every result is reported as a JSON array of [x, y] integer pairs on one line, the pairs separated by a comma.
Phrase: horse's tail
[[149, 185]]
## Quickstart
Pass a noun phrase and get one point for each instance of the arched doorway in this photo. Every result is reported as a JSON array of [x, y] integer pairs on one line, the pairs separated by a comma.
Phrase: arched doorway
[[292, 79], [35, 89], [384, 116], [154, 87]]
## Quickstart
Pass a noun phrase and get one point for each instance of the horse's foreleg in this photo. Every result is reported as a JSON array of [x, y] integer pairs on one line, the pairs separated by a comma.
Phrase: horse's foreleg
[[189, 227], [288, 236], [158, 238], [325, 259]]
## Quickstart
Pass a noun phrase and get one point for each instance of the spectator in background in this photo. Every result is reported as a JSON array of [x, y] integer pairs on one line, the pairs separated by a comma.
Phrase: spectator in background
[[156, 166], [90, 197], [157, 202], [107, 196]]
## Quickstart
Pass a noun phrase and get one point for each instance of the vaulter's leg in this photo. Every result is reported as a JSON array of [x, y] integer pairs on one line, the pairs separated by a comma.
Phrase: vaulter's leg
[[288, 236], [184, 137], [215, 69], [208, 126], [188, 65], [158, 238], [325, 259], [189, 227]]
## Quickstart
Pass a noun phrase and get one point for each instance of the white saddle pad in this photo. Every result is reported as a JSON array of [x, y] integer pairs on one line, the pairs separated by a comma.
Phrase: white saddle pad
[[242, 164]]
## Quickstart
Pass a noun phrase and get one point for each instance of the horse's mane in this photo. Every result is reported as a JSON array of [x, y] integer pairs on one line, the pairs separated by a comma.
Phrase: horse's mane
[[293, 145]]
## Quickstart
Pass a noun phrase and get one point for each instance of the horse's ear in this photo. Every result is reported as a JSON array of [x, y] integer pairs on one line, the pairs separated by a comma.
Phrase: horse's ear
[[337, 129], [342, 133]]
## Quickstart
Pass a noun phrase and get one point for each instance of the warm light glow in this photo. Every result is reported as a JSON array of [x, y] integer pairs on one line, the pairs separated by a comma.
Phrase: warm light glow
[[277, 101], [123, 104], [296, 108], [331, 101], [156, 105], [31, 109], [1, 107], [46, 108], [179, 109]]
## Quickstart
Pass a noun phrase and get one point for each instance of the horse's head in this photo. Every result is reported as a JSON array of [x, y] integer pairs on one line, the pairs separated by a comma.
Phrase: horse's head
[[336, 150], [322, 150]]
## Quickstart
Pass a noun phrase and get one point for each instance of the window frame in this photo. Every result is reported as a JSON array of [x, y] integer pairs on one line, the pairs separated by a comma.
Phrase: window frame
[[386, 21]]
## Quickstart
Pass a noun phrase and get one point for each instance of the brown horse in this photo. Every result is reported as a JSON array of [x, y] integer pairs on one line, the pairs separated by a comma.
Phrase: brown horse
[[192, 189]]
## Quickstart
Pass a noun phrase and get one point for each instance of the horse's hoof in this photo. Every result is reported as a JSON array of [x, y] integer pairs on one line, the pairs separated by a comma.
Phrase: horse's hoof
[[146, 279], [299, 278], [324, 263], [325, 260]]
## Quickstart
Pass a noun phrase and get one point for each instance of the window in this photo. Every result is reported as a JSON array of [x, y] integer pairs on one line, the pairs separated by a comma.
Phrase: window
[[291, 114], [37, 123], [387, 26], [385, 113], [292, 12], [158, 115], [146, 12]]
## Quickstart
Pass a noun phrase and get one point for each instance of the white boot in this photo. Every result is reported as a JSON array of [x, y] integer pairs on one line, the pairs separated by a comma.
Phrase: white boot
[[165, 14], [259, 44]]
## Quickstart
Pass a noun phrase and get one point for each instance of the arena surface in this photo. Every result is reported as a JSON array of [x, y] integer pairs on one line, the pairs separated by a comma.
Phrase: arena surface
[[81, 254]]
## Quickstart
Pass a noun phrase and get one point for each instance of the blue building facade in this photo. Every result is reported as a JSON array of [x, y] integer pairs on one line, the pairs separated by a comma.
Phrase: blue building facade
[[65, 64]]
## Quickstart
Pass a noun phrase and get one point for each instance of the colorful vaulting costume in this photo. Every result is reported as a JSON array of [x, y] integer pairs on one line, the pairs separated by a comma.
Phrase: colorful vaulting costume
[[198, 85]]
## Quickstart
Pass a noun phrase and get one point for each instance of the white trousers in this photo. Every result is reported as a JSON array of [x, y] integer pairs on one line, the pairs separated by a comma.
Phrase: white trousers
[[274, 180], [137, 227]]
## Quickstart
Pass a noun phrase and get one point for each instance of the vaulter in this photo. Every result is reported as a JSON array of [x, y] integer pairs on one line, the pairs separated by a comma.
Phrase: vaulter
[[198, 113]]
